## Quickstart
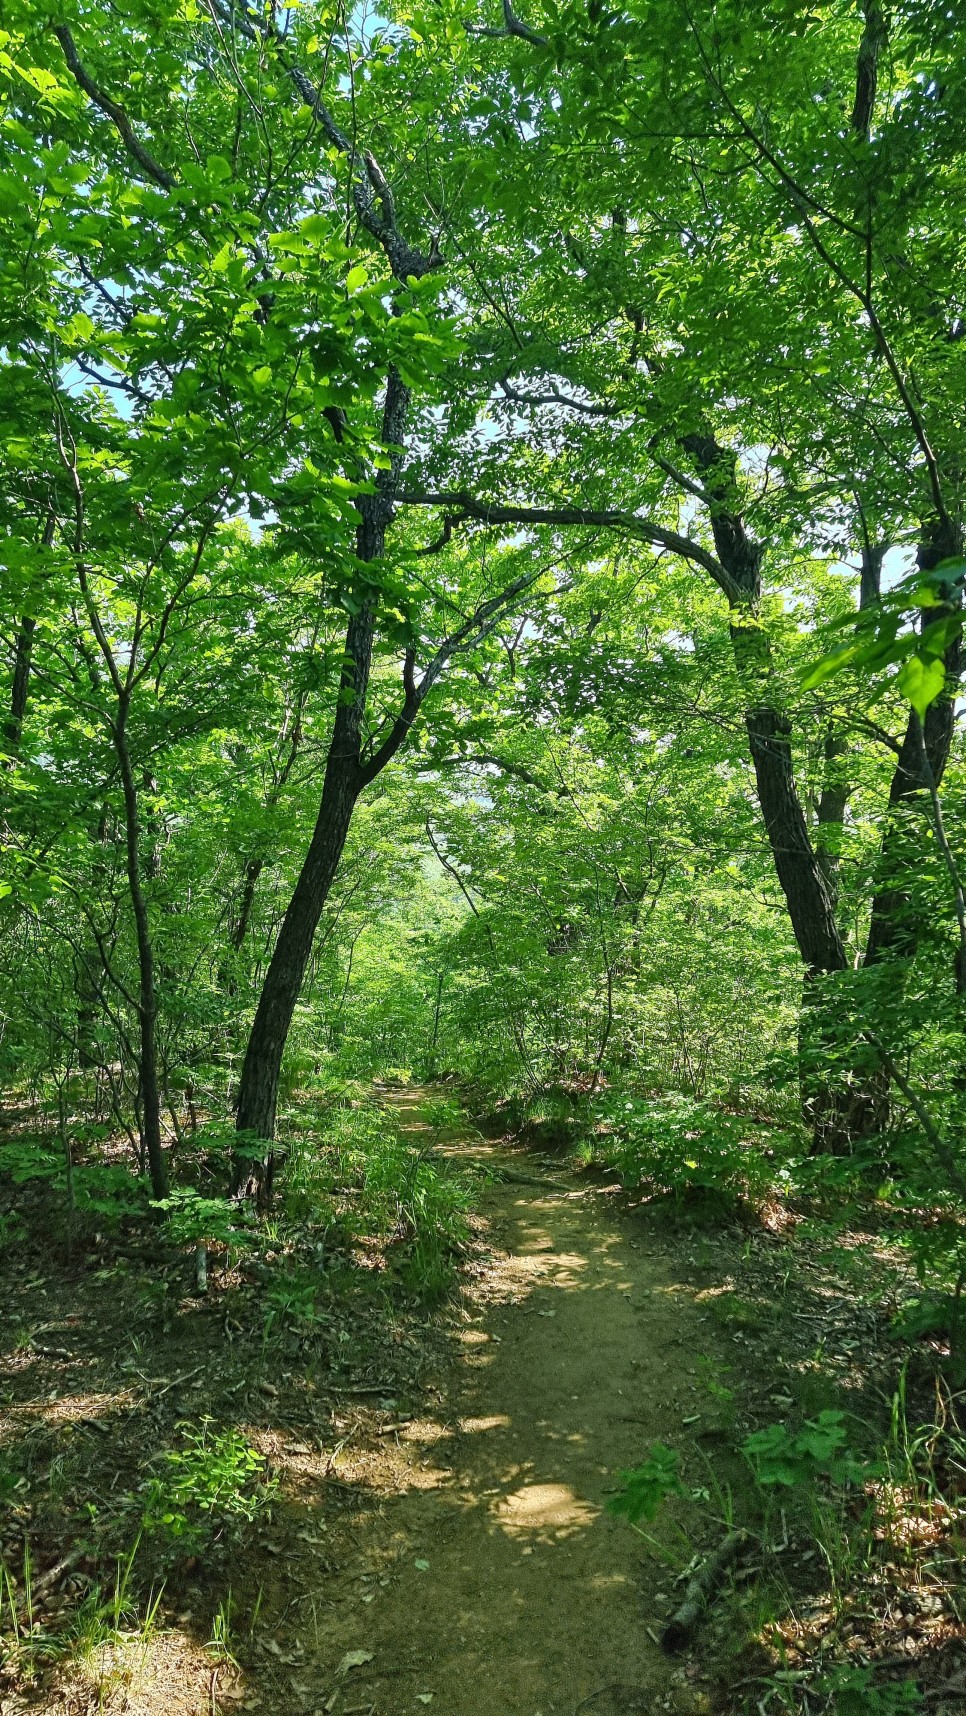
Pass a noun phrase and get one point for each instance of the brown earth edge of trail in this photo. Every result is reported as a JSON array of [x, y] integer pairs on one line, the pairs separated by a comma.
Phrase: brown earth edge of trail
[[488, 1579]]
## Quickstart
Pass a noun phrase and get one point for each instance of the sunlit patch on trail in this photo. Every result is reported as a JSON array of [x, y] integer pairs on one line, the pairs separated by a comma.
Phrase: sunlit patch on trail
[[548, 1511], [474, 1426]]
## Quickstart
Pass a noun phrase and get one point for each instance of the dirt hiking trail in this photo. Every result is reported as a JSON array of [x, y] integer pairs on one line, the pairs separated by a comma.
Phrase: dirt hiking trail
[[491, 1581]]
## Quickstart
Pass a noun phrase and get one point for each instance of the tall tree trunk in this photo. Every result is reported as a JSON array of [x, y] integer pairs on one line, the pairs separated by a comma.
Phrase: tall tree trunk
[[23, 651], [253, 870], [797, 865], [147, 1004], [840, 1097], [256, 864], [343, 782], [258, 1089]]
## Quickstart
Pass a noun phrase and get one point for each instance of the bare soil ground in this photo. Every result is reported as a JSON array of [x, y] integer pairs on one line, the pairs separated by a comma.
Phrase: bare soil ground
[[488, 1578]]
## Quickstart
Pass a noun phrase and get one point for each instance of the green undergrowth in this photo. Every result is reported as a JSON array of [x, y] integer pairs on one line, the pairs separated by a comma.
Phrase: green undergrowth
[[358, 1177], [705, 1162], [691, 1152], [172, 1476], [849, 1571], [349, 1187]]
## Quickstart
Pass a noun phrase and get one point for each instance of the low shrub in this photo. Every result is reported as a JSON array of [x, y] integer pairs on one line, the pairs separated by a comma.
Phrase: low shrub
[[688, 1150], [206, 1489], [362, 1180]]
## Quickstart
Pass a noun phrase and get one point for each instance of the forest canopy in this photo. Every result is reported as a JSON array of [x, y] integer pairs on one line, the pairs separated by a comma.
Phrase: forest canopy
[[566, 411]]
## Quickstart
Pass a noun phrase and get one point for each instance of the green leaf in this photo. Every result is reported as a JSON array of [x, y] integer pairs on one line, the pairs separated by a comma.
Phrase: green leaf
[[646, 1487], [922, 680]]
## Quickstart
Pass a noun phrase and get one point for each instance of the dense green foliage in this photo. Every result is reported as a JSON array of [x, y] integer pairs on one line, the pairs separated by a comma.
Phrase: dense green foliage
[[482, 575]]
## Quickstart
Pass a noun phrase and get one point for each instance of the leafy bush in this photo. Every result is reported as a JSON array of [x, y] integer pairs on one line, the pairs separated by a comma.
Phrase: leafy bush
[[102, 1189], [688, 1149], [778, 1456], [190, 1219], [211, 1485], [359, 1176], [442, 1113], [644, 1488]]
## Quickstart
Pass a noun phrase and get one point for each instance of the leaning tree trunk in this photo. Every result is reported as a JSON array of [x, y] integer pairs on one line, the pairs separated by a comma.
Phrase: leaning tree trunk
[[835, 1106], [345, 774], [345, 777], [258, 1090]]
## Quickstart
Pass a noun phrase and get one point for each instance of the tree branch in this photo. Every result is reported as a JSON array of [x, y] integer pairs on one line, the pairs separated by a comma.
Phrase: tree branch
[[512, 26], [555, 397], [474, 630], [371, 195], [460, 506], [115, 113]]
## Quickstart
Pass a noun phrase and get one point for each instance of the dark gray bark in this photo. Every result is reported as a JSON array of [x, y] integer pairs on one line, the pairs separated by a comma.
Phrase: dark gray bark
[[797, 865], [147, 1001], [23, 652], [258, 1089], [346, 773]]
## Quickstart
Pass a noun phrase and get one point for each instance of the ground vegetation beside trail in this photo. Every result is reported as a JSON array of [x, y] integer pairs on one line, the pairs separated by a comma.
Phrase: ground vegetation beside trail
[[321, 1484]]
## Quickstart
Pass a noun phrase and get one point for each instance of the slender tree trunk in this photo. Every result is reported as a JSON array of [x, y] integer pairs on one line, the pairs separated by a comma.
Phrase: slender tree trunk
[[253, 870], [344, 780], [147, 1006], [437, 1009], [255, 865], [258, 1089], [23, 651]]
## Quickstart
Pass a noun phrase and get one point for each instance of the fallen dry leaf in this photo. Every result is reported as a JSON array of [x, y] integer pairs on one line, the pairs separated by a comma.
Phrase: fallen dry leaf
[[354, 1659]]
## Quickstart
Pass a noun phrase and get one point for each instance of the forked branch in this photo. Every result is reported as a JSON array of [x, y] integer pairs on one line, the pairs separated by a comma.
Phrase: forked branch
[[512, 26]]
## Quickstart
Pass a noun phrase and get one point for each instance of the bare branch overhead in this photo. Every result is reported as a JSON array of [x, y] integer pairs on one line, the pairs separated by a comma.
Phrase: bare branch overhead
[[460, 506]]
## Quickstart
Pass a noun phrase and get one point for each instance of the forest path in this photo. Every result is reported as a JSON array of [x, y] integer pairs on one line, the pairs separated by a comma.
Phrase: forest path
[[493, 1581]]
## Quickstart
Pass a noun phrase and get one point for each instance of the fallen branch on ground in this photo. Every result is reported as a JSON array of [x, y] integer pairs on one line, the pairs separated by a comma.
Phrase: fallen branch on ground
[[700, 1591]]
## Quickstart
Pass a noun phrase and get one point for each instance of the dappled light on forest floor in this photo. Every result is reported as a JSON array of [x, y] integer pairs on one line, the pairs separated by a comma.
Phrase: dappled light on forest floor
[[549, 1512], [485, 1522], [443, 1479]]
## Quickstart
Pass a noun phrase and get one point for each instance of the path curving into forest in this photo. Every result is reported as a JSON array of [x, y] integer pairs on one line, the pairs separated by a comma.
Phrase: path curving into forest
[[493, 1583]]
